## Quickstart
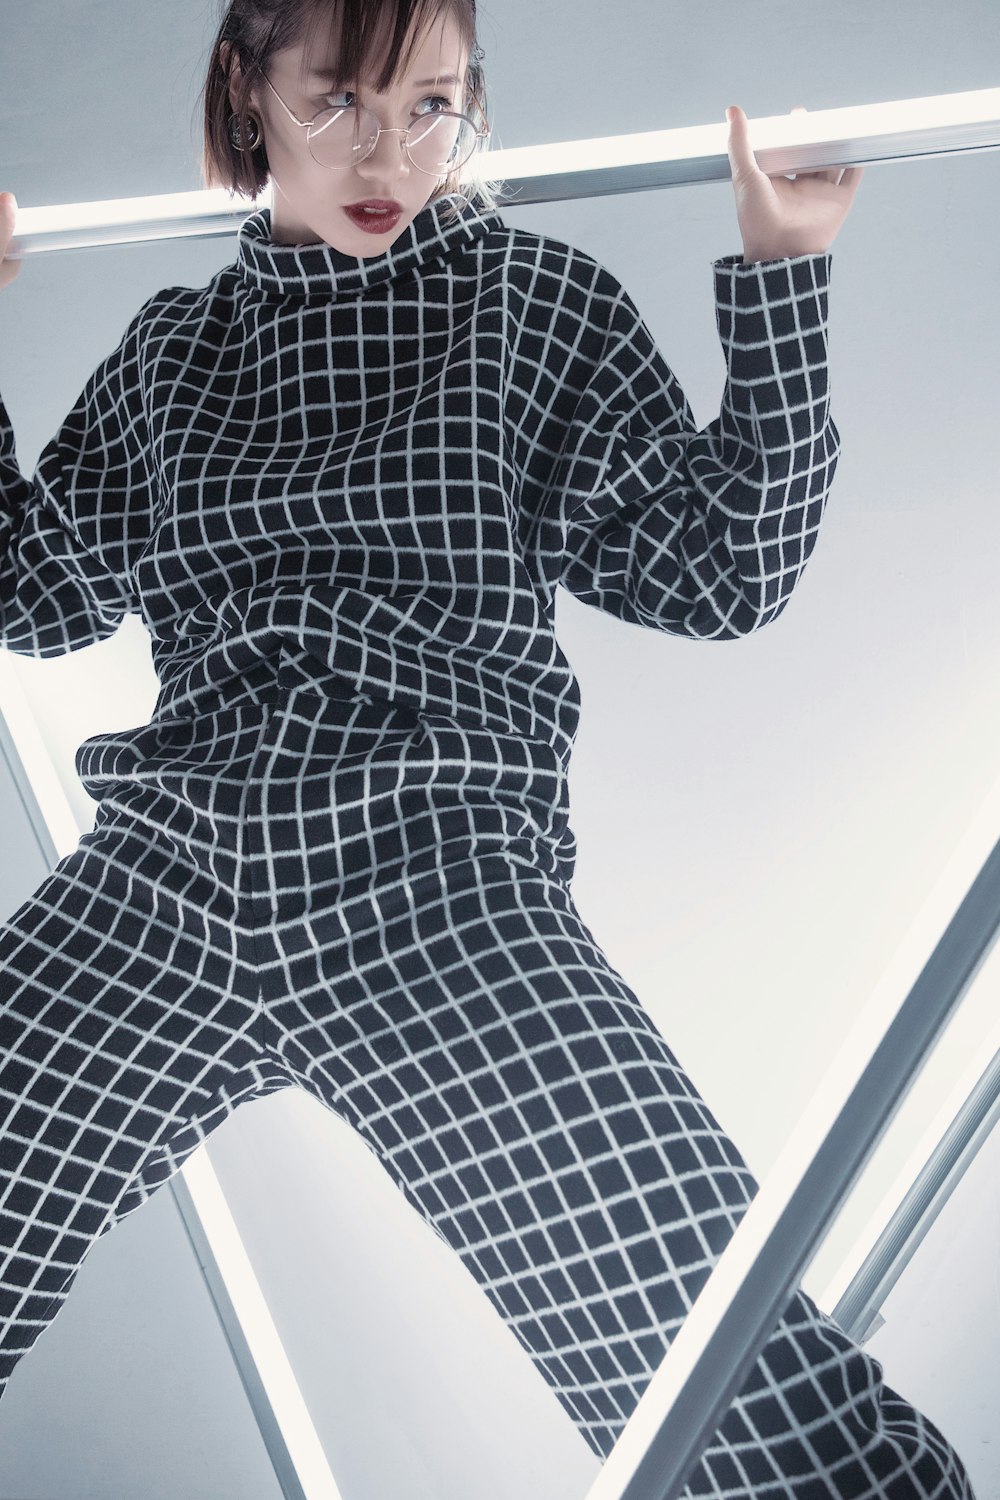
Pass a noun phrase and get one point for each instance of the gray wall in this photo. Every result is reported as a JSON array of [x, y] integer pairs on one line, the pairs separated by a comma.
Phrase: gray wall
[[758, 820]]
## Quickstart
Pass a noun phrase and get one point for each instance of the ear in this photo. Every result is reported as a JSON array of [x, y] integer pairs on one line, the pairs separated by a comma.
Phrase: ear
[[232, 68]]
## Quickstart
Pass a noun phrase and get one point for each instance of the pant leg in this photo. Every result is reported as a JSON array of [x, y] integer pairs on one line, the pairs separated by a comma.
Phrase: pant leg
[[425, 974], [128, 1012], [515, 1090]]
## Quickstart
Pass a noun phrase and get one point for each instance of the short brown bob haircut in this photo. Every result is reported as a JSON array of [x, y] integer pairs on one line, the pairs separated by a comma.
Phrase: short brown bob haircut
[[256, 29]]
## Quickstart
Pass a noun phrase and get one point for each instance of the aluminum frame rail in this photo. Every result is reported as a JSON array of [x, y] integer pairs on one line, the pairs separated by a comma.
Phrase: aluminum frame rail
[[258, 1397], [936, 125], [293, 1447], [859, 1306], [25, 792]]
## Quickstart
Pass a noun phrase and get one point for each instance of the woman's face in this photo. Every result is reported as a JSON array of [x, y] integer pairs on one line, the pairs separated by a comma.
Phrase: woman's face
[[309, 200]]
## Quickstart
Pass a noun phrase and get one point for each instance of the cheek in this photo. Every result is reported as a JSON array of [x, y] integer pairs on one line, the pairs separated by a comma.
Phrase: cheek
[[291, 155]]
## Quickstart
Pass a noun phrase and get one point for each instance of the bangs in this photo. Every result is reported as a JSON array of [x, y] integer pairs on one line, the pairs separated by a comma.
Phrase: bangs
[[370, 41]]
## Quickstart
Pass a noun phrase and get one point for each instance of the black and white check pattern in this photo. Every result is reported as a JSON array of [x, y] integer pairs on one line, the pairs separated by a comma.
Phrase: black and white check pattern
[[342, 492]]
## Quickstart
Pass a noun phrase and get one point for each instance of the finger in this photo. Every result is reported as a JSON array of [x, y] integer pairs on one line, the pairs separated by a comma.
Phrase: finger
[[800, 109], [828, 174], [741, 154]]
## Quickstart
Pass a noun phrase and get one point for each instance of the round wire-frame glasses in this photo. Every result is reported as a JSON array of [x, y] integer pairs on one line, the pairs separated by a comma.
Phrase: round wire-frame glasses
[[479, 135]]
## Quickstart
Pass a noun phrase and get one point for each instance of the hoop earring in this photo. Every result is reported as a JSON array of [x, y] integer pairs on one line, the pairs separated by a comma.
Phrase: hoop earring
[[255, 135]]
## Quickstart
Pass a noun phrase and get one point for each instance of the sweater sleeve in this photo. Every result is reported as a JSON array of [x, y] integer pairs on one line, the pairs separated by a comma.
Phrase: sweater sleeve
[[703, 533], [64, 533]]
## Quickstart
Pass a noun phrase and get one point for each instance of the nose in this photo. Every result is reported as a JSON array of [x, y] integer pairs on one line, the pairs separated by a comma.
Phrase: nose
[[389, 159]]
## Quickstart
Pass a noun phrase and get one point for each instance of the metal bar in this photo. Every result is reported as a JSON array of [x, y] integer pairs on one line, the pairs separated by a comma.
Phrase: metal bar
[[935, 125], [896, 1245], [22, 786], [712, 1354], [229, 1321], [56, 824], [286, 1428]]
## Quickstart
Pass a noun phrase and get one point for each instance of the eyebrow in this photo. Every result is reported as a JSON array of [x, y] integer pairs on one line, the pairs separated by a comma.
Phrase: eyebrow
[[423, 83]]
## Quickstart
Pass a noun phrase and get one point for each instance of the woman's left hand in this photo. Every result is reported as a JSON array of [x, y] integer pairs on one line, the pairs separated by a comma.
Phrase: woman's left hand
[[778, 216]]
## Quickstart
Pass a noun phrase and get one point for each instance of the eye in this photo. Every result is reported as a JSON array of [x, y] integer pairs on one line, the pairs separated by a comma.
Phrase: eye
[[333, 99]]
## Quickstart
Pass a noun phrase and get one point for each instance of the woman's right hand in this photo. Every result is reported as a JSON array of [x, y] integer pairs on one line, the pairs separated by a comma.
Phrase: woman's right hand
[[8, 213]]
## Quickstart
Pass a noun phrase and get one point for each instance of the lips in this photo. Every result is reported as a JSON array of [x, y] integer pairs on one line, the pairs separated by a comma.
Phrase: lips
[[375, 204], [374, 223]]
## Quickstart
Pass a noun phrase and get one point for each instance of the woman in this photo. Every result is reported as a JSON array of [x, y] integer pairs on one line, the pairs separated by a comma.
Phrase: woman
[[341, 484]]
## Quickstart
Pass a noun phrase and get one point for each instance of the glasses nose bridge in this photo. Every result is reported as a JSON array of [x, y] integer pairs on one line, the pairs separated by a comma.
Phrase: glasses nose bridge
[[381, 130]]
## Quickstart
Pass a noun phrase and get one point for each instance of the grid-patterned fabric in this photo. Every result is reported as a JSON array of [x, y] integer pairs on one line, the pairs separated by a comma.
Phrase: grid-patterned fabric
[[405, 950], [369, 475], [342, 493]]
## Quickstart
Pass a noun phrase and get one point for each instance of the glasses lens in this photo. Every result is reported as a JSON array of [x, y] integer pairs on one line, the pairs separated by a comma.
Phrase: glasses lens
[[337, 139], [437, 143]]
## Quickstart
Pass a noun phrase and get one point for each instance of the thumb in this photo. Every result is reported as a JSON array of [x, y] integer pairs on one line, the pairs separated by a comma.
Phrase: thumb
[[740, 153]]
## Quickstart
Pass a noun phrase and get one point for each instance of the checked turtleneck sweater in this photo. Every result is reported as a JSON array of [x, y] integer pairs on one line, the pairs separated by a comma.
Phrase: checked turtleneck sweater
[[367, 476]]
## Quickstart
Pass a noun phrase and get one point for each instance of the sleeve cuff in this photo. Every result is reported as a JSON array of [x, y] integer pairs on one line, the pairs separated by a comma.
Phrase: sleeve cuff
[[735, 262]]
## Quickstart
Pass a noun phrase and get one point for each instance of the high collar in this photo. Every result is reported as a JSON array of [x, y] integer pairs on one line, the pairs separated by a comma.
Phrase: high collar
[[318, 272]]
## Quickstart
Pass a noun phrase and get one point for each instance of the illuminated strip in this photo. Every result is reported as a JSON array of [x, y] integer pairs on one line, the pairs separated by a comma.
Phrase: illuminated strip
[[935, 125], [277, 1402]]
